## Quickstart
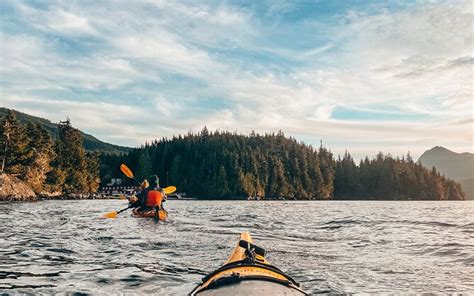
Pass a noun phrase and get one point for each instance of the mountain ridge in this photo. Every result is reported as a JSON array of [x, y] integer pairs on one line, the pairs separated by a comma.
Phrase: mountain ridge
[[91, 143], [457, 166]]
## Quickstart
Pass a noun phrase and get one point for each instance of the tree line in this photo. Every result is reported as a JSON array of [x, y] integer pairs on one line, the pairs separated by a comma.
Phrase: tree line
[[385, 177], [224, 165], [47, 165]]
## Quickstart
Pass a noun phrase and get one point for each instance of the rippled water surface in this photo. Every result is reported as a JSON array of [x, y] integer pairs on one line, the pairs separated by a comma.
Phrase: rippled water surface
[[329, 247]]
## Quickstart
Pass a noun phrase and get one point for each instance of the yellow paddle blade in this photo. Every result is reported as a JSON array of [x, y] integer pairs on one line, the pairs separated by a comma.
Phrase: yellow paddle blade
[[126, 171], [110, 215], [169, 189]]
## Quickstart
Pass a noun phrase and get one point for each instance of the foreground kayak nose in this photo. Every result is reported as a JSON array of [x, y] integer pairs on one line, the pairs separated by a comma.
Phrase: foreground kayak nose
[[247, 272]]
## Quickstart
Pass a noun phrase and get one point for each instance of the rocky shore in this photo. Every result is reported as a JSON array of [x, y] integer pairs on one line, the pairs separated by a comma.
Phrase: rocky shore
[[73, 196], [13, 189]]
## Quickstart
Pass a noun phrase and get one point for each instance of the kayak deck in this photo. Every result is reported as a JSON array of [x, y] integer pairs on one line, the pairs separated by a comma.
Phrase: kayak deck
[[239, 253], [247, 272]]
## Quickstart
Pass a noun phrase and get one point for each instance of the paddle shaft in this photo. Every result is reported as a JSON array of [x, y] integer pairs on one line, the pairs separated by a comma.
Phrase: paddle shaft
[[123, 209]]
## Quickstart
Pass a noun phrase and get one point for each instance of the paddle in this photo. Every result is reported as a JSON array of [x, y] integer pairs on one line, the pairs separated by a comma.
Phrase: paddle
[[157, 214], [127, 172], [169, 190], [114, 214]]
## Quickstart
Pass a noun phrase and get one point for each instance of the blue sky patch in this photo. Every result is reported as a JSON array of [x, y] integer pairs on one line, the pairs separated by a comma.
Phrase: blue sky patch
[[392, 114]]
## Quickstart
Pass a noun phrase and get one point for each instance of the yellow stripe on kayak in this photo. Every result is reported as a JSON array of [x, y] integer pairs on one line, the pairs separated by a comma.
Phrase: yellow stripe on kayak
[[162, 214], [244, 271]]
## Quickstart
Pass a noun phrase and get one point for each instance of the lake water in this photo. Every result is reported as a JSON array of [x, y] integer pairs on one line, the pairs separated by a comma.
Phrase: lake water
[[329, 247]]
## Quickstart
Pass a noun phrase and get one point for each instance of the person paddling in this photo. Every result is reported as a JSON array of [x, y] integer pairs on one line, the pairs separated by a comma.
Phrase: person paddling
[[139, 200], [148, 200], [151, 196]]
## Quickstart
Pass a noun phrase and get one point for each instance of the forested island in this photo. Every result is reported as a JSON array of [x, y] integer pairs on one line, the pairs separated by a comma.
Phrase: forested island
[[215, 165], [224, 165]]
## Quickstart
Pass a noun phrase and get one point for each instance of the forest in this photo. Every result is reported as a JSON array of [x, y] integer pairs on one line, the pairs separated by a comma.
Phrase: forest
[[224, 165], [48, 166], [216, 165]]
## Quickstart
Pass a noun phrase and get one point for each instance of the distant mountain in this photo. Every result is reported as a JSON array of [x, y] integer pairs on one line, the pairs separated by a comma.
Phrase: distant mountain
[[457, 166], [90, 142]]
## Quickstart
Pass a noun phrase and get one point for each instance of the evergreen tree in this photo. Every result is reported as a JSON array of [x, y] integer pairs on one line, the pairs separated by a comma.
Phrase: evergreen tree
[[14, 146], [70, 165], [92, 172], [220, 187], [144, 167], [176, 173], [327, 169], [39, 162]]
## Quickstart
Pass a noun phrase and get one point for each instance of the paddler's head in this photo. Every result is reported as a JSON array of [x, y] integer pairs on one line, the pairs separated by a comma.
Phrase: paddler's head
[[154, 181]]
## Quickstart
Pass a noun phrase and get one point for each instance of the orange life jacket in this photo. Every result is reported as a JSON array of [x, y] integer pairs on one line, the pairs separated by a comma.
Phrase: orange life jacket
[[154, 198]]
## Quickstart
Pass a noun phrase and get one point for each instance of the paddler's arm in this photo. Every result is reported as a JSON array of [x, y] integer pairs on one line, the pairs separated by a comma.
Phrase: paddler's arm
[[133, 200]]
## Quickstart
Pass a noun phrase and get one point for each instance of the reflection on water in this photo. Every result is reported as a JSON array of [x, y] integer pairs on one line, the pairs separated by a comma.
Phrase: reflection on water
[[329, 247]]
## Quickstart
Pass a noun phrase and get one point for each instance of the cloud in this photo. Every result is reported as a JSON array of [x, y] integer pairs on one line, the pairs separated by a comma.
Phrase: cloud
[[133, 72]]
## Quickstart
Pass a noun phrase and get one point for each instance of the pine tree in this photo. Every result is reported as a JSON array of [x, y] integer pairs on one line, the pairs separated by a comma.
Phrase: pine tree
[[14, 146], [175, 171], [327, 169], [70, 165], [39, 162], [221, 184], [144, 167], [92, 171]]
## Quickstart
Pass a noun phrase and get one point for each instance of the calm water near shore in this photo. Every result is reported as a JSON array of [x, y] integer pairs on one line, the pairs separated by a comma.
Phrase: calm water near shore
[[329, 247]]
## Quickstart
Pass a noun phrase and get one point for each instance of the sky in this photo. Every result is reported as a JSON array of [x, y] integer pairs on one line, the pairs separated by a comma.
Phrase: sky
[[362, 76]]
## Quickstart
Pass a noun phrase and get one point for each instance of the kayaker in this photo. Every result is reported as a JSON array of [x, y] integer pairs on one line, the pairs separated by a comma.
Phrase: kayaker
[[151, 195], [139, 200], [155, 185]]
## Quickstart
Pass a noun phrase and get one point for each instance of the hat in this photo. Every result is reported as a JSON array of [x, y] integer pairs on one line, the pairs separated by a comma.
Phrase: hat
[[154, 180]]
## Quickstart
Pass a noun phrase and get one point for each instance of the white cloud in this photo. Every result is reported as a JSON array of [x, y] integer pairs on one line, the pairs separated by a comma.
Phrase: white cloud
[[69, 23], [164, 58]]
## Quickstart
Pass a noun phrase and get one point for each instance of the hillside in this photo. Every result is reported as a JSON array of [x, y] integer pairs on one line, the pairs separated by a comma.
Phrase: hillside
[[90, 142], [457, 166], [468, 187], [224, 165]]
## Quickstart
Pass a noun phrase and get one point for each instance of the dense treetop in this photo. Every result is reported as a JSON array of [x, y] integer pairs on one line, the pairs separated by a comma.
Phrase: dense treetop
[[216, 165], [28, 152], [224, 165]]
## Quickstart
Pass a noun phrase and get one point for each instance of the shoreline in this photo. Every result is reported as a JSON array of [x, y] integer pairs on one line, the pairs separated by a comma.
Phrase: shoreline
[[66, 197], [93, 196]]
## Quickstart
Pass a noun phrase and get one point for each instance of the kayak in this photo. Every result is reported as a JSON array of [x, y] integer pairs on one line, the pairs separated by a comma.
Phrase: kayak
[[163, 214], [247, 272]]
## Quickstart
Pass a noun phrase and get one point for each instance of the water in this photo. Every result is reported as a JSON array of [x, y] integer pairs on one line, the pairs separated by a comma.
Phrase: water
[[329, 247]]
